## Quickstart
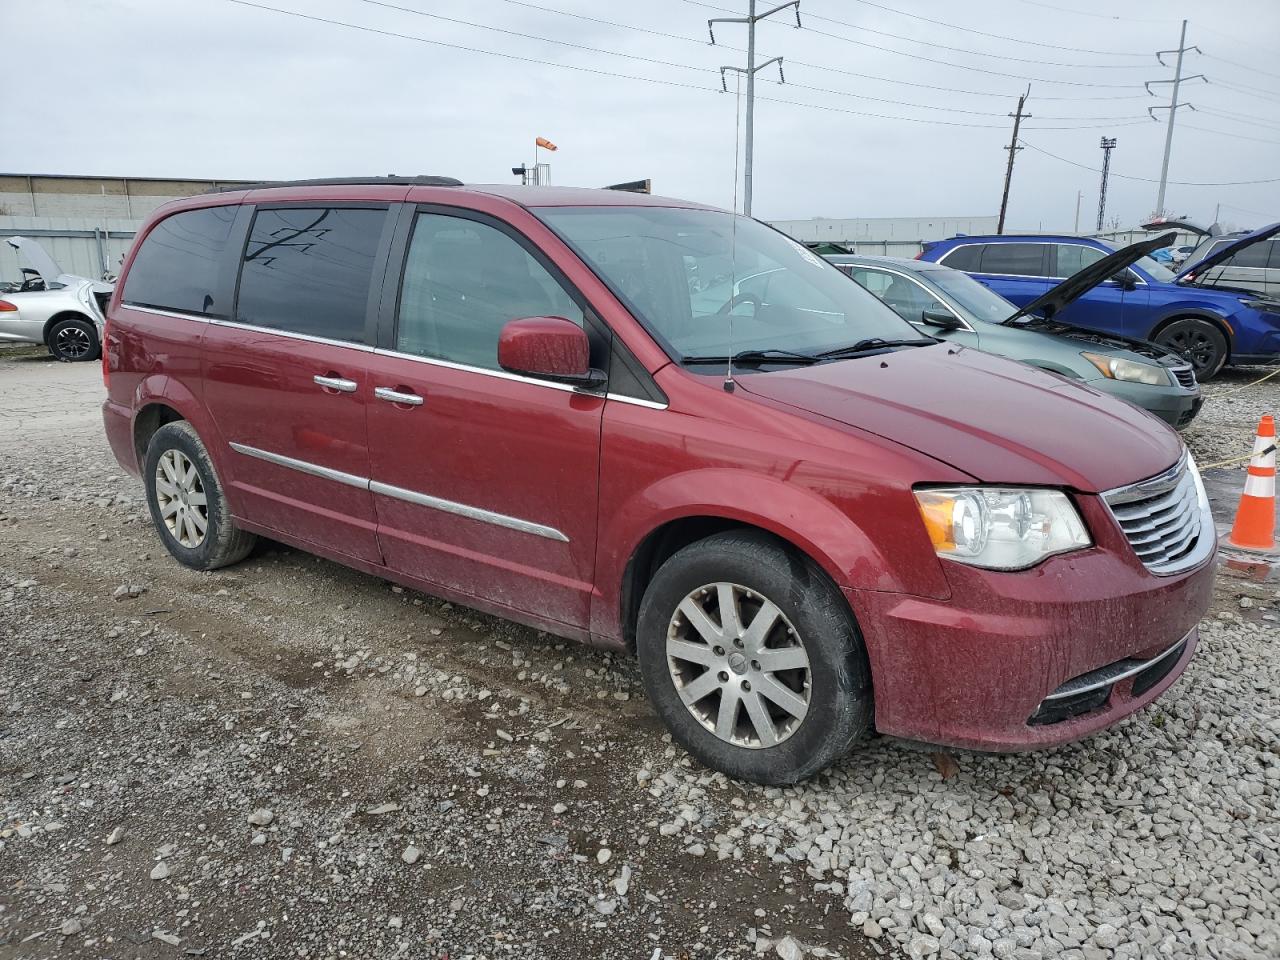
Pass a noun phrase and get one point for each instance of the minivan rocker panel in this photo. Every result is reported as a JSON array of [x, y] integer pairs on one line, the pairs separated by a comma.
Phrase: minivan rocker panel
[[760, 544]]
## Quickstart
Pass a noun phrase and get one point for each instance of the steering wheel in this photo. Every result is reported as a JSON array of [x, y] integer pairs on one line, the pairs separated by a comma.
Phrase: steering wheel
[[736, 299]]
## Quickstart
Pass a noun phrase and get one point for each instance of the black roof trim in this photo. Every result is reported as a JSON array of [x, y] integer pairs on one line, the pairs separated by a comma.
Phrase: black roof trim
[[389, 181]]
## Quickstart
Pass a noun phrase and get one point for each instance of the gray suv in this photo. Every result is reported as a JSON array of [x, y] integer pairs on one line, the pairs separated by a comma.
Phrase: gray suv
[[1253, 268]]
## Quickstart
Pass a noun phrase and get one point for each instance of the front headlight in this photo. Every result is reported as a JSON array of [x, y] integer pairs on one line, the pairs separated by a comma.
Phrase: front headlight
[[1118, 368], [1000, 528]]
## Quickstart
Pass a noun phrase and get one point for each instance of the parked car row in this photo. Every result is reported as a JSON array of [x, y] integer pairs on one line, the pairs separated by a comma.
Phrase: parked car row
[[61, 311], [656, 427], [1193, 313], [952, 305]]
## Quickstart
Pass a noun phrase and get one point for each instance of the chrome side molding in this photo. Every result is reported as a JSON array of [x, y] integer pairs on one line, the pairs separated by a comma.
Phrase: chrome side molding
[[400, 493]]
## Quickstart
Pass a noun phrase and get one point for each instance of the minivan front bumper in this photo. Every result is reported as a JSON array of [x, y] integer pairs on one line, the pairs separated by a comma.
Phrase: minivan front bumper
[[981, 670]]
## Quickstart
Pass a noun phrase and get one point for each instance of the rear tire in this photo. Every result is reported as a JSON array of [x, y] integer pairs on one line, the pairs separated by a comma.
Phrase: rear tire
[[74, 340], [779, 695], [1197, 341], [187, 506]]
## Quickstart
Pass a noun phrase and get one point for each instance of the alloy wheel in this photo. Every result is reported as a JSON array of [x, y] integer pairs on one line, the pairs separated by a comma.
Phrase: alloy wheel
[[738, 665], [73, 343], [180, 495], [1194, 346]]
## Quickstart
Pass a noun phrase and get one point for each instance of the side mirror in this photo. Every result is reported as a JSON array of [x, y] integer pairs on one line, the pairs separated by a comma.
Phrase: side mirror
[[550, 347], [1124, 280], [942, 319]]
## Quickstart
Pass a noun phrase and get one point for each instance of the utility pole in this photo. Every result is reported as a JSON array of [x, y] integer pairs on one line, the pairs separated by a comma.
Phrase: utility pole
[[751, 19], [1079, 197], [1108, 144], [1172, 107], [1013, 149]]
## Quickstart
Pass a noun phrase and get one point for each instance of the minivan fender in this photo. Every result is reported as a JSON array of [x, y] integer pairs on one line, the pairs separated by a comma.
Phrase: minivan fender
[[806, 520], [161, 389]]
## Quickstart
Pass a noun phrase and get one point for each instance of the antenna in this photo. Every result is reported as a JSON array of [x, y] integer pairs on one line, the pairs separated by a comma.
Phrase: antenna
[[733, 228]]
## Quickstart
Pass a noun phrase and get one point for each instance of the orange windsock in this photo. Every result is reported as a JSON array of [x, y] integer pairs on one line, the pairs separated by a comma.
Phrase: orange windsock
[[546, 144], [1255, 524]]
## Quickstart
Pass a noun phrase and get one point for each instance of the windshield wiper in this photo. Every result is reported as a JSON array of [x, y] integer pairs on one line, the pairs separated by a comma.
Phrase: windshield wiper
[[757, 357], [873, 343]]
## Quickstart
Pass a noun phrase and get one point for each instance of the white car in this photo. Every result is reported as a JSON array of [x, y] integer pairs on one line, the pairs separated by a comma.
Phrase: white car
[[66, 316]]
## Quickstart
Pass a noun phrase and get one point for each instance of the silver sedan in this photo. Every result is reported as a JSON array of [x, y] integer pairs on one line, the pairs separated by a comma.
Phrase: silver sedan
[[66, 316]]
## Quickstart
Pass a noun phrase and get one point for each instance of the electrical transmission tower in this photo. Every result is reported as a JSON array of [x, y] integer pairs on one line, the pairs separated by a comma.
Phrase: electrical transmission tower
[[1173, 106], [751, 69], [1013, 149], [1108, 144]]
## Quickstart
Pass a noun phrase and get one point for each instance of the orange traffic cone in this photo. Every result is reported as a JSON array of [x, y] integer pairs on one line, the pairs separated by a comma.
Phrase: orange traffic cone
[[1255, 524]]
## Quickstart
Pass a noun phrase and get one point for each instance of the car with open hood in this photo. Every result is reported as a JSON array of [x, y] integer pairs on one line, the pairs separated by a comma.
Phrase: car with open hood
[[62, 311], [951, 305], [1209, 325], [805, 518], [1248, 265]]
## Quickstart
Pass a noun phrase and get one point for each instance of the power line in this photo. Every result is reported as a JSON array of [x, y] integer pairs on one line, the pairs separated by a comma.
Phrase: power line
[[814, 66], [709, 70], [1089, 13], [1239, 117], [1178, 183], [1242, 66], [993, 36], [944, 63], [974, 53], [1225, 133], [1245, 89], [624, 76]]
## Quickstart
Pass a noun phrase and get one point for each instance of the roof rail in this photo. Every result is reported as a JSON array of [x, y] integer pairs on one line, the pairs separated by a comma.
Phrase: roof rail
[[393, 181]]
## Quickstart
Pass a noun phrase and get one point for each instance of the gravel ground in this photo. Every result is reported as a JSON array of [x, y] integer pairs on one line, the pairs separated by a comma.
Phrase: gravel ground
[[290, 759]]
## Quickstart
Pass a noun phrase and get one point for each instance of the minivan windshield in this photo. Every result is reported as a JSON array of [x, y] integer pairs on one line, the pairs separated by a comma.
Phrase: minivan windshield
[[977, 300], [705, 285]]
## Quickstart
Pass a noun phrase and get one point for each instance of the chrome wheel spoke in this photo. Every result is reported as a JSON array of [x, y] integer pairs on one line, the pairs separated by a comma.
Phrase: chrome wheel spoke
[[727, 714], [699, 620], [169, 509], [758, 712], [165, 487], [773, 659], [730, 622], [705, 684], [201, 524], [197, 499], [761, 625], [699, 653], [784, 697]]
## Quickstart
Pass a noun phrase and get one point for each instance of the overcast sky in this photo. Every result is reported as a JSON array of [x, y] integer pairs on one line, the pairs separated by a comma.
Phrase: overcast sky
[[218, 89]]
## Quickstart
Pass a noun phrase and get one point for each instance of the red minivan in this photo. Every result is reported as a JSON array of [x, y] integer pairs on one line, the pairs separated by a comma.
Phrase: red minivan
[[654, 426]]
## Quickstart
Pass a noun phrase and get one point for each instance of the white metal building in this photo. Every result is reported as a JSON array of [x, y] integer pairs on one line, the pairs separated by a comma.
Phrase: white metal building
[[86, 223], [889, 236]]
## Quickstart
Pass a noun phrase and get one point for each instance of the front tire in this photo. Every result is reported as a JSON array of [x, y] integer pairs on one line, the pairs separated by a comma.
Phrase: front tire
[[187, 506], [73, 340], [752, 658], [1197, 341]]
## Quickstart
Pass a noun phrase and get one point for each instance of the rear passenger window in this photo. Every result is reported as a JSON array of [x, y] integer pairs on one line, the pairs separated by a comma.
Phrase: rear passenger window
[[308, 270], [463, 281], [1074, 257], [1016, 259], [1254, 256], [964, 258], [176, 267]]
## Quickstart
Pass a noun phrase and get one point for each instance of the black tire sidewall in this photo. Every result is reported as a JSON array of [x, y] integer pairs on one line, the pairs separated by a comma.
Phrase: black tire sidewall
[[840, 693], [95, 346], [1211, 330], [181, 436]]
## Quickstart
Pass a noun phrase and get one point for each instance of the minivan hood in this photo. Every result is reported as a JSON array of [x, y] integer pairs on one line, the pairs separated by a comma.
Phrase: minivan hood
[[1082, 281], [997, 420], [1188, 274]]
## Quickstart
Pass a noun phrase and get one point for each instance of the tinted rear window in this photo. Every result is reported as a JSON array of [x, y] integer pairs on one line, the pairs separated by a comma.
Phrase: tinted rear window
[[308, 270], [176, 267], [1017, 259], [964, 258]]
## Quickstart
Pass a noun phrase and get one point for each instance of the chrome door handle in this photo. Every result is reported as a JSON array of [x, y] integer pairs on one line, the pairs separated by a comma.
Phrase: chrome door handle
[[335, 383], [395, 396]]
